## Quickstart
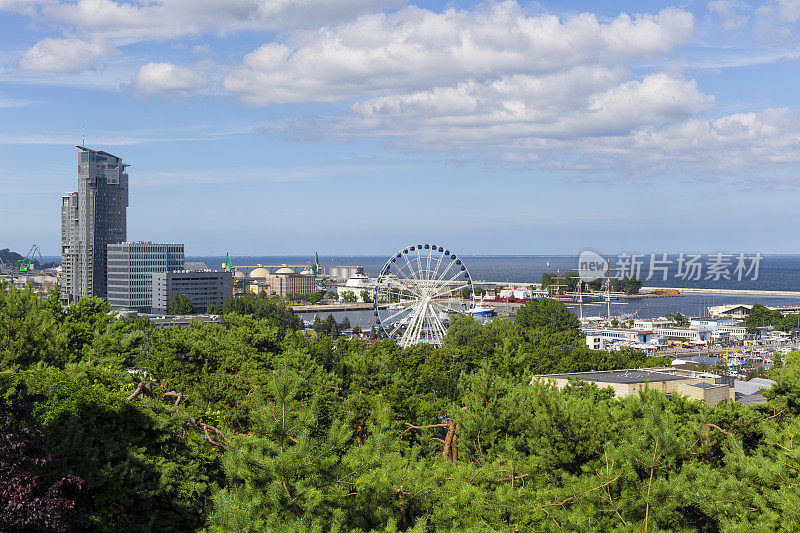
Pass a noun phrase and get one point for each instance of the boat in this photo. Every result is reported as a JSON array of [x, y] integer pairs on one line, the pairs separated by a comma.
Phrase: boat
[[520, 295], [481, 310], [576, 298], [610, 296]]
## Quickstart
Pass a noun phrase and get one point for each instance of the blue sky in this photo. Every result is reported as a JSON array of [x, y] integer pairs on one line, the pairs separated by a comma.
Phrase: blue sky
[[356, 126]]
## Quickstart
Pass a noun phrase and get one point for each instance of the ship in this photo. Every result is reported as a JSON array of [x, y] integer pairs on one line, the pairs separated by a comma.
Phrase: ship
[[575, 298], [481, 310], [518, 295]]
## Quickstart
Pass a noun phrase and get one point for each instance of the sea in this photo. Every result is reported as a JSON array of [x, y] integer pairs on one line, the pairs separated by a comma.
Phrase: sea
[[772, 273], [775, 272]]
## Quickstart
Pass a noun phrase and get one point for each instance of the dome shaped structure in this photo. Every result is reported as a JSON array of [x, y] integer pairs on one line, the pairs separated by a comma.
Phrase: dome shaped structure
[[239, 274], [305, 272], [259, 272], [284, 270]]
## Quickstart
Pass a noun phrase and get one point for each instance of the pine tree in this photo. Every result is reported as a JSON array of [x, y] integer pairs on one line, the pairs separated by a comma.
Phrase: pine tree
[[179, 305], [277, 474]]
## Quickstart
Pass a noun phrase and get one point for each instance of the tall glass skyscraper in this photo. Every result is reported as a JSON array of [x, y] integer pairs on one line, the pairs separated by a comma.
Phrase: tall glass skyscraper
[[91, 219]]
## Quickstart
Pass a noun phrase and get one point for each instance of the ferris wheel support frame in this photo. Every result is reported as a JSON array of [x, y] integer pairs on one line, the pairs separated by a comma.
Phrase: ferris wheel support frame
[[424, 278]]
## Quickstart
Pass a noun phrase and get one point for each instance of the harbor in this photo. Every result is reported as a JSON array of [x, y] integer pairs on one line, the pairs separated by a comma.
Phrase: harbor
[[690, 303], [710, 332]]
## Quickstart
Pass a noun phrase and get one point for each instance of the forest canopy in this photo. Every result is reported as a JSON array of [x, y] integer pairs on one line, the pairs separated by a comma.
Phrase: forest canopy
[[111, 424]]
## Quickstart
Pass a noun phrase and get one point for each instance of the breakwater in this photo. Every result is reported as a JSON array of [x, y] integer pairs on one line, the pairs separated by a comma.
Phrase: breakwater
[[332, 308], [639, 296], [735, 292]]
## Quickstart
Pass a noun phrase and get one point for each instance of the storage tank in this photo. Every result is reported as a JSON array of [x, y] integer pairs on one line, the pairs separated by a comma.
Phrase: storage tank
[[259, 273]]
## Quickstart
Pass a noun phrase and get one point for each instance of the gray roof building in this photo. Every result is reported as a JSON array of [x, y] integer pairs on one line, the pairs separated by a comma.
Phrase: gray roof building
[[202, 288], [753, 386], [751, 392], [619, 376], [702, 386]]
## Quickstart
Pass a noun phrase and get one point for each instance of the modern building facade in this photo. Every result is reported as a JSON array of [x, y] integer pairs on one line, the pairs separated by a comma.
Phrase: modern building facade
[[69, 248], [282, 282], [202, 288], [91, 219], [610, 339], [130, 272]]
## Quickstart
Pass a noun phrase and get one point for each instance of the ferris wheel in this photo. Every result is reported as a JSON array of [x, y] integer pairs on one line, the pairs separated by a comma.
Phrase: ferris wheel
[[417, 291]]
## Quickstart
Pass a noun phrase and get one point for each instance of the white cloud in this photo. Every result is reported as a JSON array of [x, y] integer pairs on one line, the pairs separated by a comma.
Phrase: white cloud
[[495, 115], [167, 19], [749, 26], [657, 99], [20, 6], [775, 20], [733, 14], [415, 48], [167, 80], [496, 80], [64, 55], [733, 142], [13, 102], [733, 147], [92, 28], [787, 11], [159, 134], [636, 128]]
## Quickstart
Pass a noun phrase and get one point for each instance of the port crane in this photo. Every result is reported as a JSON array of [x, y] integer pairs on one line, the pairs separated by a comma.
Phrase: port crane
[[29, 262], [228, 266], [735, 360]]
